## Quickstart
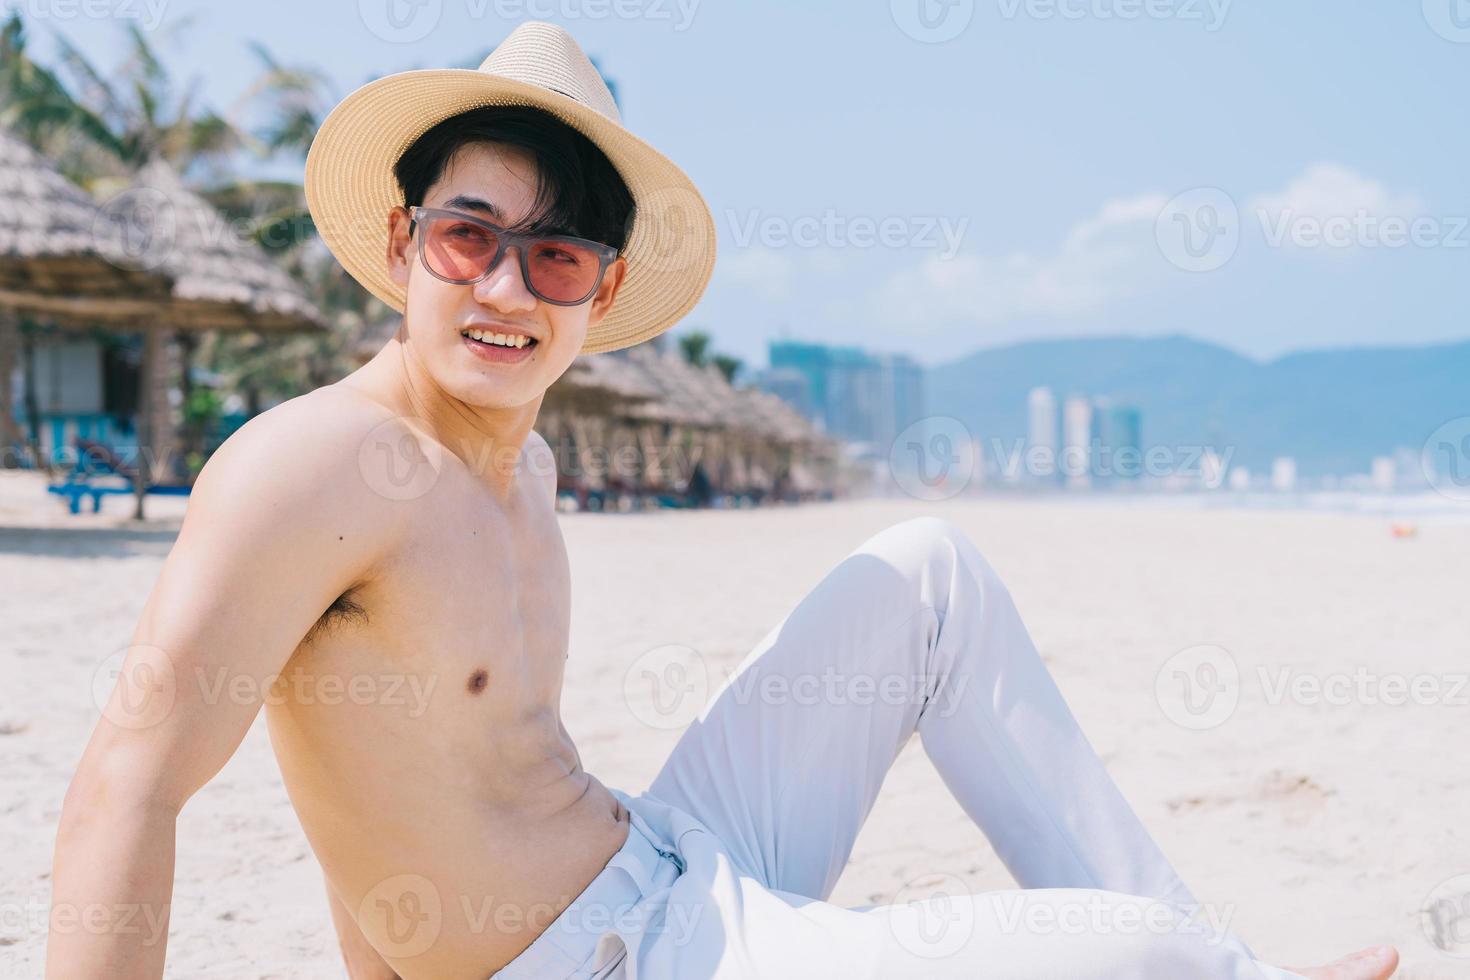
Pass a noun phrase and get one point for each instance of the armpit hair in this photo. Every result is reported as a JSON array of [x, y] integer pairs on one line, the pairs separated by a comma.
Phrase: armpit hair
[[343, 610]]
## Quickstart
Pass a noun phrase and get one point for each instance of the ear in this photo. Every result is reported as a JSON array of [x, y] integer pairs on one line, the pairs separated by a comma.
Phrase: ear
[[400, 246], [607, 290]]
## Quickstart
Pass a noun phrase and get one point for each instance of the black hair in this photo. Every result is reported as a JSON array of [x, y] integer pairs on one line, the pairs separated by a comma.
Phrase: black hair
[[578, 190]]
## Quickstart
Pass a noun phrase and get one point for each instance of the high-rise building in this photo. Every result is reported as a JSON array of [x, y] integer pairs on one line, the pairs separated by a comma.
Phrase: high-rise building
[[851, 393], [1121, 441], [1079, 435], [1044, 436]]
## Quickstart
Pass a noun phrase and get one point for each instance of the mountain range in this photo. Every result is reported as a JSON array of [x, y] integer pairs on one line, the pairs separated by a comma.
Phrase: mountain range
[[1333, 410]]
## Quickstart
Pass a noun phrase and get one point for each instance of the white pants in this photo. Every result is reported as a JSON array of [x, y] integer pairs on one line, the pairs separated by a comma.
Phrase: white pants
[[742, 836]]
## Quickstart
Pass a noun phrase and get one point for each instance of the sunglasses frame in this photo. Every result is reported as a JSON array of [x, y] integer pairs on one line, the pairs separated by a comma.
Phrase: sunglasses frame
[[506, 238]]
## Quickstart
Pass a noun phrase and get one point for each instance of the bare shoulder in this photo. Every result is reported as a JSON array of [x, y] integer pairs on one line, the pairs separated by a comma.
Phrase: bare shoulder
[[296, 464]]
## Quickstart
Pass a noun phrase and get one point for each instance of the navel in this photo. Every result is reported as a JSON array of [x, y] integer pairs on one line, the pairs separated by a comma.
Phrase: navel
[[477, 681]]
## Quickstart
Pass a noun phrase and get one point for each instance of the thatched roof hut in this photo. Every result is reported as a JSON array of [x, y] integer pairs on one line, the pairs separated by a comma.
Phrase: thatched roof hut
[[222, 279], [58, 258]]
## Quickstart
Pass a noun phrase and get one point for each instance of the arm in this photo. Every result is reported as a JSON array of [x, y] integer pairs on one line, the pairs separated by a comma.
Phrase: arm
[[257, 559]]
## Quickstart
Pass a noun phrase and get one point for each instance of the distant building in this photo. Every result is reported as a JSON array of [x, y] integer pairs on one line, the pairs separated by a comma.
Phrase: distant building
[[791, 386], [853, 394], [1283, 474], [1079, 436], [1120, 441], [1044, 436]]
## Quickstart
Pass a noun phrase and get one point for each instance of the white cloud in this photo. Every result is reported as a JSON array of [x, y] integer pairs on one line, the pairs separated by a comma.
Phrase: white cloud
[[1330, 190], [1107, 256], [1334, 209]]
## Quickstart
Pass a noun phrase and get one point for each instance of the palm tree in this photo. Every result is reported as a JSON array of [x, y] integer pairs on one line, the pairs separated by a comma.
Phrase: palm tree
[[101, 127]]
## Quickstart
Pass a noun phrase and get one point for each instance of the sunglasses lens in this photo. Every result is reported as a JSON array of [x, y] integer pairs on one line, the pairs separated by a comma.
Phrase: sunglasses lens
[[561, 271], [458, 250]]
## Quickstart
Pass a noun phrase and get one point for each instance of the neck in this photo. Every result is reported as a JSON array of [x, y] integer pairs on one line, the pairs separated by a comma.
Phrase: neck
[[487, 440]]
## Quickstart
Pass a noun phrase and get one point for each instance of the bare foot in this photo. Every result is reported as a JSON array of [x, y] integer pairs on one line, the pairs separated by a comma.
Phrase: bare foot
[[1373, 963]]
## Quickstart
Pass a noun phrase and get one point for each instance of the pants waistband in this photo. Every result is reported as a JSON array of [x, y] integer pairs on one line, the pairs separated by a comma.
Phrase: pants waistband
[[585, 939]]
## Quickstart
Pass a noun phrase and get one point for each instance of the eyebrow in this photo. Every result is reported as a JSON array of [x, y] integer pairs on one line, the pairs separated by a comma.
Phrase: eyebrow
[[466, 203]]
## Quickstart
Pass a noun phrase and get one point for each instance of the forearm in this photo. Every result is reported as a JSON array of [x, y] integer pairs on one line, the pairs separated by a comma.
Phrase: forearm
[[112, 882]]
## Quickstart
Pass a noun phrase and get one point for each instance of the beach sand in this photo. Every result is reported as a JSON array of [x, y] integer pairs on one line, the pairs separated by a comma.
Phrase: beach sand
[[1319, 828]]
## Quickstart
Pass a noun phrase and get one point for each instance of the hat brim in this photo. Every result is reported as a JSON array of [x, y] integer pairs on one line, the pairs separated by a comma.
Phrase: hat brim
[[350, 189]]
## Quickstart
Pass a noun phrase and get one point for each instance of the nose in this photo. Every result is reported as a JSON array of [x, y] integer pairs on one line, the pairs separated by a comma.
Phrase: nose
[[504, 289]]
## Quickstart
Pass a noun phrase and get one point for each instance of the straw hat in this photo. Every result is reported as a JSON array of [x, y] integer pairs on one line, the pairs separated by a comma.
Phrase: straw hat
[[350, 186]]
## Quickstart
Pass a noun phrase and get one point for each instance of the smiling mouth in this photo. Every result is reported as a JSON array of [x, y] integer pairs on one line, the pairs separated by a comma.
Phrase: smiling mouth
[[514, 341]]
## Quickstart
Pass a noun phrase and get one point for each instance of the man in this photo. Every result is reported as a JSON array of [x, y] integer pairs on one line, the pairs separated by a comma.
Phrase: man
[[400, 525]]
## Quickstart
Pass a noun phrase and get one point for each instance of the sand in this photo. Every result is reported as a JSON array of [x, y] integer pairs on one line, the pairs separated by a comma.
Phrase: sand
[[1320, 827]]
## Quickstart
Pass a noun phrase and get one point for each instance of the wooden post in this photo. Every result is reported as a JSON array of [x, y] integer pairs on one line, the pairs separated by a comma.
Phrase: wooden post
[[10, 434], [145, 418]]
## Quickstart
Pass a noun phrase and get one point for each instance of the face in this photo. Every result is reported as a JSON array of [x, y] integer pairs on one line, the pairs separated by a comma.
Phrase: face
[[439, 313]]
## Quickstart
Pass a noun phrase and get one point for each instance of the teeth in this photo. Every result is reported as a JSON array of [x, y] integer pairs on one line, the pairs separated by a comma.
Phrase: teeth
[[502, 339]]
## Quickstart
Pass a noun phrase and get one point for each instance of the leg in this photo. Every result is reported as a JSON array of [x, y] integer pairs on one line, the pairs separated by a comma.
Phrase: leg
[[911, 631]]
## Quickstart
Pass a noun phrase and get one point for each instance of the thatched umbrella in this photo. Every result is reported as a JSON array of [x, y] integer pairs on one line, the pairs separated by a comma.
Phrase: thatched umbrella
[[53, 264], [222, 279]]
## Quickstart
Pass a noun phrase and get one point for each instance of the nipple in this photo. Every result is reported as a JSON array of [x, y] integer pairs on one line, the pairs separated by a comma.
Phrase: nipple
[[477, 681]]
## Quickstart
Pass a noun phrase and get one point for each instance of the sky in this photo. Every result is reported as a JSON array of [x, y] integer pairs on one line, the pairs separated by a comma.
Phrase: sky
[[933, 177]]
